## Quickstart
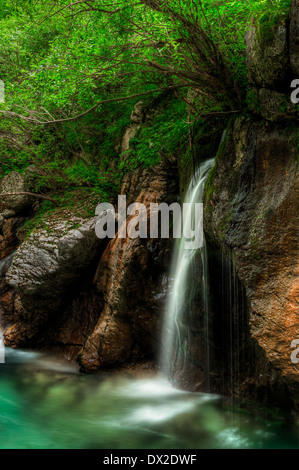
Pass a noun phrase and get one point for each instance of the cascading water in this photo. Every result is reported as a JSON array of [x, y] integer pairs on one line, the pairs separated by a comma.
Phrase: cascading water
[[5, 263], [187, 307], [235, 332]]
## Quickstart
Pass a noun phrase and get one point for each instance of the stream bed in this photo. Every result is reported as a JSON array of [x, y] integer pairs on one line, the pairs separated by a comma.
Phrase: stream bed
[[46, 404]]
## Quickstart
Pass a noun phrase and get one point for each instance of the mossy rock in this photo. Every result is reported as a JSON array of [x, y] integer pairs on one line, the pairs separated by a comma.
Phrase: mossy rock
[[267, 52], [276, 106]]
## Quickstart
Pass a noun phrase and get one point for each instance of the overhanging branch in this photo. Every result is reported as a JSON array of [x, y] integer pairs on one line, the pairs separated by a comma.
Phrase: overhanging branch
[[78, 116]]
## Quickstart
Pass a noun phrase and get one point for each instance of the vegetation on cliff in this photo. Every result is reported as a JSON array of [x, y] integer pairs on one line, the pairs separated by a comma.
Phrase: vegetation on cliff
[[74, 70]]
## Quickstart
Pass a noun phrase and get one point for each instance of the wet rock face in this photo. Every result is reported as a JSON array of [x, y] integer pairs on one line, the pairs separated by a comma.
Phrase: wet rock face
[[251, 214], [132, 279], [7, 295], [48, 262], [46, 271], [63, 334]]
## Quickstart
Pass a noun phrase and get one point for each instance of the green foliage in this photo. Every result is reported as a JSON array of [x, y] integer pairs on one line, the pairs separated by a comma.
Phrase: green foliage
[[65, 62], [267, 20], [59, 59], [252, 100], [159, 138]]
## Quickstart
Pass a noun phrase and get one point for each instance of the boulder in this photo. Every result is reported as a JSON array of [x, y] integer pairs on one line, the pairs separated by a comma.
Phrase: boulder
[[48, 268]]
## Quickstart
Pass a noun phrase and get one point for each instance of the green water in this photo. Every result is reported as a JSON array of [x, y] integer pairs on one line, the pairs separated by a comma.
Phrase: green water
[[46, 404]]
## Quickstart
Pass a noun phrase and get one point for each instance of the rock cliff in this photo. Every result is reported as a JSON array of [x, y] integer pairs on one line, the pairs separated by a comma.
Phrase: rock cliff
[[251, 215], [251, 219]]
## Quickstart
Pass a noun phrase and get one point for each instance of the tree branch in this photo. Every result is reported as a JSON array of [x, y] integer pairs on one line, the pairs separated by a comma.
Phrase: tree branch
[[111, 100]]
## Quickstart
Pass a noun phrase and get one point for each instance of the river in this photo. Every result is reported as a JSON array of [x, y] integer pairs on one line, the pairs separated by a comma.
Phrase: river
[[46, 404]]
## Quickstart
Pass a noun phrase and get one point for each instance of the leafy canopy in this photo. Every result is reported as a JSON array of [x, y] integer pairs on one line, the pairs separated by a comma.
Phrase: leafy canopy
[[58, 59]]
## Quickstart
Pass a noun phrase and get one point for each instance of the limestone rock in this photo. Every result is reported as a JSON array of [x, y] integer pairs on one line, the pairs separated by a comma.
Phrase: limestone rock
[[137, 118], [129, 134], [48, 262], [138, 113], [47, 269]]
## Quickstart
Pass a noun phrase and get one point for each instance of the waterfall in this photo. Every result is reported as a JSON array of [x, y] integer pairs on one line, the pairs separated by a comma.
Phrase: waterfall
[[187, 306], [5, 264], [235, 332]]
